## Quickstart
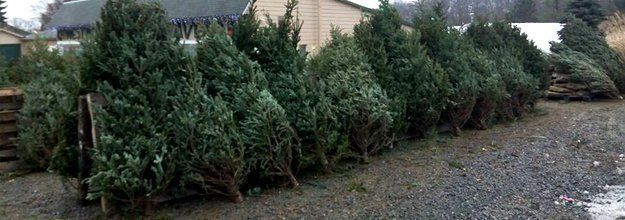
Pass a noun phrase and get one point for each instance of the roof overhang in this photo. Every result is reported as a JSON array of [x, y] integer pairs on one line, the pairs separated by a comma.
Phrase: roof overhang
[[12, 33]]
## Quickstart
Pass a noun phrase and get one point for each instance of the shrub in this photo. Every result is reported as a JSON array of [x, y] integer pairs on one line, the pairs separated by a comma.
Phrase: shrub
[[418, 87], [582, 70], [359, 107], [138, 74], [231, 74], [582, 38]]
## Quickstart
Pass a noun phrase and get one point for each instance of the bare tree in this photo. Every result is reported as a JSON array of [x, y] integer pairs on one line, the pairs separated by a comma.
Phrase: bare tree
[[23, 24], [461, 12], [50, 10], [406, 9]]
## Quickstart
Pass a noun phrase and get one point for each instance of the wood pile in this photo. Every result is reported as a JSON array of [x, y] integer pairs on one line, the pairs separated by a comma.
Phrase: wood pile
[[11, 101], [562, 88], [580, 86]]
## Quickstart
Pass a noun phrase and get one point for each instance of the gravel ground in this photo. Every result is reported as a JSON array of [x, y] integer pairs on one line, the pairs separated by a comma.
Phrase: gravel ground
[[517, 170]]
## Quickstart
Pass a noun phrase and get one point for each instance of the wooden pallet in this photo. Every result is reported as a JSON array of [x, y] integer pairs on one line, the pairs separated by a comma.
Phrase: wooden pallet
[[11, 100], [87, 139]]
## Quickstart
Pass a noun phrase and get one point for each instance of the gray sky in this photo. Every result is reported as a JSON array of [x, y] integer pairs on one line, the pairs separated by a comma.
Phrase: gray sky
[[24, 9]]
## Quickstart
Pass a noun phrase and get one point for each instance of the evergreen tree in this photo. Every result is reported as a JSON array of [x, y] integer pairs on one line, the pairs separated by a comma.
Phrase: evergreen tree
[[214, 153], [520, 64], [275, 48], [270, 148], [501, 35], [47, 121], [492, 93], [588, 10], [357, 104], [450, 50], [580, 37], [524, 11], [135, 63], [246, 29], [417, 85], [3, 13], [552, 10], [521, 87]]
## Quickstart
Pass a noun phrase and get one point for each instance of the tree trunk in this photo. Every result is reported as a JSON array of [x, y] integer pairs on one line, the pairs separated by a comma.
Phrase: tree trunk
[[292, 179], [235, 194]]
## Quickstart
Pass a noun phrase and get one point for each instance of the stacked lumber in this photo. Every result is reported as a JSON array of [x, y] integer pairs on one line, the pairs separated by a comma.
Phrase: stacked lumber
[[11, 100]]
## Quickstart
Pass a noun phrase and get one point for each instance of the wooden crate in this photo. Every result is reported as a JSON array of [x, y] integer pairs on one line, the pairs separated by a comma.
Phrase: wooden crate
[[8, 116], [7, 141], [10, 128], [9, 160], [10, 166], [8, 155], [11, 100]]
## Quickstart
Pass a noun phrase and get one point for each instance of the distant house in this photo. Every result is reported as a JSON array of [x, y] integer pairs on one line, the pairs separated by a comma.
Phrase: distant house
[[12, 41], [74, 19]]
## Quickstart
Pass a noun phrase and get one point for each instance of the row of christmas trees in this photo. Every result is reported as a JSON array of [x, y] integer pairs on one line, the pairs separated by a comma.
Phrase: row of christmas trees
[[252, 108]]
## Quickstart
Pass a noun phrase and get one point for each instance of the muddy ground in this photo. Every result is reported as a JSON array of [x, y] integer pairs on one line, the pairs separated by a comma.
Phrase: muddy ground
[[515, 170]]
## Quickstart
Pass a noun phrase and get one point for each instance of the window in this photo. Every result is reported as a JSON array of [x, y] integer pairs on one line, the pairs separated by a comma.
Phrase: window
[[67, 46], [190, 46]]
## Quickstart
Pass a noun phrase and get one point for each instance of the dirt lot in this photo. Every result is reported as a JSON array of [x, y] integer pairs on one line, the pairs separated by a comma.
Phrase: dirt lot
[[515, 170]]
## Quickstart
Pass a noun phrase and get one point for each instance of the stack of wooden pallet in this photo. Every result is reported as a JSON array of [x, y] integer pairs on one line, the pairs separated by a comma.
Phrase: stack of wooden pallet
[[11, 100], [580, 87], [562, 88]]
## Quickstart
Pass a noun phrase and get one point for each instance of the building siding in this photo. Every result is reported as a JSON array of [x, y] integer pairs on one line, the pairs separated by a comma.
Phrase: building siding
[[6, 38], [318, 16], [10, 39], [340, 15]]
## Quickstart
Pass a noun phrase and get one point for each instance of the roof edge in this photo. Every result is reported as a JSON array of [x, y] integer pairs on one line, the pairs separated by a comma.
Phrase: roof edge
[[356, 5], [14, 30]]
